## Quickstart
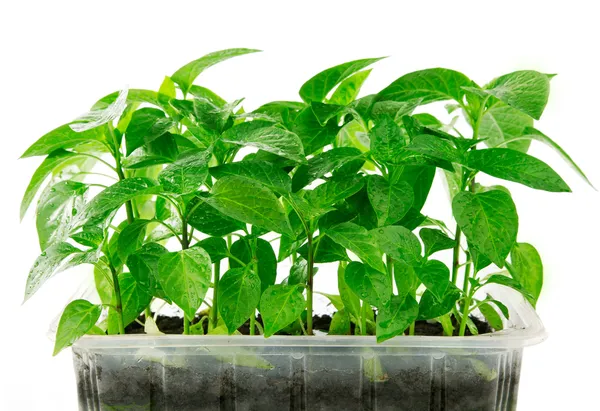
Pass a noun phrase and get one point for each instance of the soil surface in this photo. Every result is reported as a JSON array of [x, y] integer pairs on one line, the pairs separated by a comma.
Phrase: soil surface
[[174, 325]]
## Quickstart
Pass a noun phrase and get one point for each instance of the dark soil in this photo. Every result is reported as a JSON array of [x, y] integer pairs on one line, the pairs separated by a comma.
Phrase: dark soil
[[174, 325]]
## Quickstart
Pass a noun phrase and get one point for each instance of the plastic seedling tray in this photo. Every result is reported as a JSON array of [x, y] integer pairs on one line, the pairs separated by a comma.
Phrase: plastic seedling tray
[[312, 373]]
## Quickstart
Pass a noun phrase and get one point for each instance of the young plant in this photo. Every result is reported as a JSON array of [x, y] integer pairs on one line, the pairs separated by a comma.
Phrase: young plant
[[318, 178]]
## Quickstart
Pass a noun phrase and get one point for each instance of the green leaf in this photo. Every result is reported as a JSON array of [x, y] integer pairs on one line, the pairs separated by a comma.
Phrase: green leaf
[[430, 85], [489, 221], [526, 267], [430, 307], [502, 123], [358, 240], [298, 272], [186, 75], [281, 305], [143, 266], [349, 299], [266, 261], [76, 320], [326, 251], [435, 240], [134, 96], [161, 150], [166, 91], [354, 134], [89, 236], [503, 308], [525, 90], [398, 242], [103, 281], [310, 207], [56, 211], [335, 190], [263, 172], [533, 134], [340, 323], [519, 167], [319, 86], [46, 265], [436, 277], [391, 201], [435, 147], [396, 316], [394, 109], [239, 295], [334, 300], [368, 284], [208, 220], [480, 261], [325, 112], [323, 163], [212, 117], [134, 297], [146, 125], [99, 117], [250, 202], [509, 282], [406, 278], [265, 136], [62, 137], [348, 89], [50, 163], [216, 247], [187, 174], [313, 135], [185, 277], [204, 93], [118, 194], [420, 179], [492, 316], [132, 237], [387, 141]]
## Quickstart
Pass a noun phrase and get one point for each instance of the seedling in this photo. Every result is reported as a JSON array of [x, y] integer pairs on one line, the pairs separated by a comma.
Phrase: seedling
[[200, 181]]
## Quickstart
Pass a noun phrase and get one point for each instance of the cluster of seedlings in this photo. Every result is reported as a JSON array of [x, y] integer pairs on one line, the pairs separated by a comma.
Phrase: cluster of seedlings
[[333, 178]]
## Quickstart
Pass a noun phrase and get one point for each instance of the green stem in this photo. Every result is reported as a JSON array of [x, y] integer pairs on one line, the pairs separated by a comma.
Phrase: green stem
[[466, 279], [185, 240], [309, 289], [456, 256], [255, 268], [467, 303], [411, 329], [252, 324], [99, 160], [119, 306], [464, 316], [119, 170], [186, 325], [148, 312], [302, 326], [185, 244], [215, 308], [363, 317], [390, 267]]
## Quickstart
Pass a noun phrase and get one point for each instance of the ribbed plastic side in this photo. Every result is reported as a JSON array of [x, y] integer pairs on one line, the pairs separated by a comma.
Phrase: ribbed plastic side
[[298, 380]]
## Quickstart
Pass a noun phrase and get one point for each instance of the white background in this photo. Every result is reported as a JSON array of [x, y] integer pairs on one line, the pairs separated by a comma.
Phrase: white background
[[58, 57]]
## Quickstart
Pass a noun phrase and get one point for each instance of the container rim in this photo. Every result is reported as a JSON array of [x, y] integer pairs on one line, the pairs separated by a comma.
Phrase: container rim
[[522, 330]]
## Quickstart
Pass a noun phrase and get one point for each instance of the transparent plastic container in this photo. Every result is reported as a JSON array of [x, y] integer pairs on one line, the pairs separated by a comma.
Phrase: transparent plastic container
[[316, 373]]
